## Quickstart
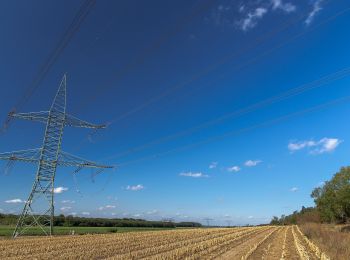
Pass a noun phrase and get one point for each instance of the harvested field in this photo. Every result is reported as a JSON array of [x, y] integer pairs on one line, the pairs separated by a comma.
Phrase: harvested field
[[268, 242]]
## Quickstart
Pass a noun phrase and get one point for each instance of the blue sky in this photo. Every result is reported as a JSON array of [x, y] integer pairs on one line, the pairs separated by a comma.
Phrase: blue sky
[[172, 78]]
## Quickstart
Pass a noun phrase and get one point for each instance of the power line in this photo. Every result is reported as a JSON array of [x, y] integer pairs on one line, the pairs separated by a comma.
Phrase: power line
[[317, 83], [237, 67], [242, 130], [134, 63], [296, 91], [201, 73], [283, 96], [72, 29], [225, 59]]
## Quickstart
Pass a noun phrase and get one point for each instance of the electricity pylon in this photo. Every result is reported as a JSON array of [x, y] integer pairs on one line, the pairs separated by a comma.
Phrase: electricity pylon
[[48, 157]]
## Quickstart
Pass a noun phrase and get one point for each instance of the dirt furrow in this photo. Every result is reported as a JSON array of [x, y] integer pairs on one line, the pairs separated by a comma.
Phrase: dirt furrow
[[271, 248], [244, 248], [290, 250]]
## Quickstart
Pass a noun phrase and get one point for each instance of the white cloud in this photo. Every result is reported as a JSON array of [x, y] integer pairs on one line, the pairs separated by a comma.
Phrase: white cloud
[[68, 201], [327, 145], [213, 165], [137, 215], [300, 145], [234, 169], [316, 8], [252, 163], [193, 174], [250, 21], [241, 8], [65, 208], [59, 190], [135, 187], [73, 213], [250, 217], [324, 145], [85, 213], [294, 189], [13, 201], [107, 207], [152, 212], [286, 7]]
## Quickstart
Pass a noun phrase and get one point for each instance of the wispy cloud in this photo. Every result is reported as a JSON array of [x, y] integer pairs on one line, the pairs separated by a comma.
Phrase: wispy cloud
[[213, 165], [137, 187], [296, 146], [193, 174], [252, 163], [247, 14], [14, 201], [324, 145], [251, 19], [327, 145], [68, 201], [65, 208], [286, 7], [152, 212], [107, 207], [59, 190], [137, 215], [85, 213], [294, 189], [234, 169], [316, 8]]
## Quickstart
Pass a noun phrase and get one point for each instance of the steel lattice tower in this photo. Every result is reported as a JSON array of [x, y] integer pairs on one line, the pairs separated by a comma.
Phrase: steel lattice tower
[[48, 157]]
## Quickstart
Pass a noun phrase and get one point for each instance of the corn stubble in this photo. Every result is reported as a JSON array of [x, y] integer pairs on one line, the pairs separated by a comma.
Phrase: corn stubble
[[205, 243]]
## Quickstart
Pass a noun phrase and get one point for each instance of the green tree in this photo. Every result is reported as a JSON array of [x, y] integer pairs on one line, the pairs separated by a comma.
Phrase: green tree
[[333, 198]]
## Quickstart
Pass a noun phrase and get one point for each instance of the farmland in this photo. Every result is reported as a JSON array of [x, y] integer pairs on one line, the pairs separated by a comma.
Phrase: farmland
[[267, 242]]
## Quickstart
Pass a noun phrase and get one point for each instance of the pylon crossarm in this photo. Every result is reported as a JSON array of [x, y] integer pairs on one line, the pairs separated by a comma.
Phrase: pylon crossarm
[[40, 116], [31, 155], [66, 159], [76, 122]]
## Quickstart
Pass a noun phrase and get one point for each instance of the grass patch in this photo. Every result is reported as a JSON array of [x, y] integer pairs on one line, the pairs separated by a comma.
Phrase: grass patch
[[7, 231], [329, 239]]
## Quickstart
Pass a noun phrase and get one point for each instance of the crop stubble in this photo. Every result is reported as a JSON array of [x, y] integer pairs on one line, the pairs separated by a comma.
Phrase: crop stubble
[[267, 242]]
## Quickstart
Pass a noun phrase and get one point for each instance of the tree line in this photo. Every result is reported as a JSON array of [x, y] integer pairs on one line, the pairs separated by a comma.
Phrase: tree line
[[332, 203], [72, 221]]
